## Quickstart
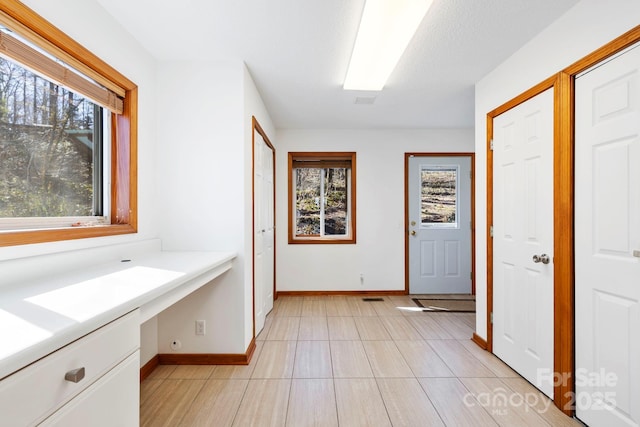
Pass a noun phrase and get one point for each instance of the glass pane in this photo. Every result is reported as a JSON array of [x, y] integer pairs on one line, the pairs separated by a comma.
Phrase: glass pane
[[46, 147], [335, 194], [438, 198], [307, 201]]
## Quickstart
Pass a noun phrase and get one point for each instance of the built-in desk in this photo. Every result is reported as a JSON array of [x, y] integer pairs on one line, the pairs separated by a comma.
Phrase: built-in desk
[[39, 317], [53, 316]]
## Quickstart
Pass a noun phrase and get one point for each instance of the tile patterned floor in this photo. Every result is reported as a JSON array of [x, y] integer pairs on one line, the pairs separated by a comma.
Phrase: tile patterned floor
[[340, 361]]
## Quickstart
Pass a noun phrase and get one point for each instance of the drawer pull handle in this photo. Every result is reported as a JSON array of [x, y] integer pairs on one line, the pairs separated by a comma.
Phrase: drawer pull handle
[[75, 375]]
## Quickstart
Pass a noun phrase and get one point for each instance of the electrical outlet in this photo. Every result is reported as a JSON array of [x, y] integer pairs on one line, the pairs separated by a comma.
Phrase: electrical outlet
[[200, 327]]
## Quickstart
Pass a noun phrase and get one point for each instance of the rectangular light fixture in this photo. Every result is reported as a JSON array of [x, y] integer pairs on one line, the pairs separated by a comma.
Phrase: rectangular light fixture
[[386, 28]]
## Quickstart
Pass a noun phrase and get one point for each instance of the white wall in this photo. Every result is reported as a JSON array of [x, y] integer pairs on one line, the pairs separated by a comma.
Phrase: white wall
[[584, 28], [204, 183], [379, 251]]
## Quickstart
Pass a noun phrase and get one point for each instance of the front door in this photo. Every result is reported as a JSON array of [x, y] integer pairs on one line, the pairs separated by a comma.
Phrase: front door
[[607, 242], [523, 239], [439, 192]]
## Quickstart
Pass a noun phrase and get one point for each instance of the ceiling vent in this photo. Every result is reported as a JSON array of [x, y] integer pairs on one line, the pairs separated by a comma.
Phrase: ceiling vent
[[365, 100]]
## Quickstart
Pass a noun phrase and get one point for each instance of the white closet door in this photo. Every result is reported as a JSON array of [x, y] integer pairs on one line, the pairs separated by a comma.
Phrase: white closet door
[[607, 242], [258, 229], [268, 190], [264, 230], [523, 239]]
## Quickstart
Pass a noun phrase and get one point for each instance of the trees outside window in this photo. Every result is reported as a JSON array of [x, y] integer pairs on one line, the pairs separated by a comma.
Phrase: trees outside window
[[322, 198], [50, 148]]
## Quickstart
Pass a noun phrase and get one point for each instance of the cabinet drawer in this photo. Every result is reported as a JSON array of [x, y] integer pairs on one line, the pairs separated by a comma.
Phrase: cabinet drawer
[[30, 395], [112, 401]]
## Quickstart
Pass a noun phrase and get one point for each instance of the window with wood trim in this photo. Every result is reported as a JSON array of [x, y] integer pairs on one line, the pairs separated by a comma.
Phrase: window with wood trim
[[68, 126], [322, 197]]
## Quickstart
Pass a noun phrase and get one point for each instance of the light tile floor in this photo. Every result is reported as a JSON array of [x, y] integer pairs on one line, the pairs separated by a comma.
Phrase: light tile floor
[[340, 361]]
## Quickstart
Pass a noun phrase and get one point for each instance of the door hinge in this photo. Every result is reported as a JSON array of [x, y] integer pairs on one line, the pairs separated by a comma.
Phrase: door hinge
[[491, 317], [470, 175], [491, 231], [471, 275], [491, 144]]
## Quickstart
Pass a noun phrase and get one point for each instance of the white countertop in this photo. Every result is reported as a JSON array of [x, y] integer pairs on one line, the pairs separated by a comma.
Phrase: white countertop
[[43, 315]]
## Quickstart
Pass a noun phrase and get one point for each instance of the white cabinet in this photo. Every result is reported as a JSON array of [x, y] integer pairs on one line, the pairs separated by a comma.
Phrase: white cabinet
[[112, 401], [108, 359]]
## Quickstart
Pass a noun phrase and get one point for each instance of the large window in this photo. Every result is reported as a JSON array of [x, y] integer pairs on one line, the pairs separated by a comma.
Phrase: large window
[[322, 198], [67, 136], [51, 142]]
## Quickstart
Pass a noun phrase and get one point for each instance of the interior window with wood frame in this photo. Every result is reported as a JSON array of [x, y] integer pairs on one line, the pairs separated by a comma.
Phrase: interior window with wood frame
[[322, 197], [67, 136]]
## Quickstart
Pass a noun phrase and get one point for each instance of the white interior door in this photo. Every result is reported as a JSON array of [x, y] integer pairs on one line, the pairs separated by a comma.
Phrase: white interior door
[[264, 231], [523, 229], [258, 238], [607, 242], [269, 225], [439, 225]]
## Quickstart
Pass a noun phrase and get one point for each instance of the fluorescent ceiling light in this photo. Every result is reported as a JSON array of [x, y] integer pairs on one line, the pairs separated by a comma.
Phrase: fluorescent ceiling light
[[385, 30]]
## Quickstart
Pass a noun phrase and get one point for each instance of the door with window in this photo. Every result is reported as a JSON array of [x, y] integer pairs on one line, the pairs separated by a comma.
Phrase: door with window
[[523, 239], [439, 215], [607, 242]]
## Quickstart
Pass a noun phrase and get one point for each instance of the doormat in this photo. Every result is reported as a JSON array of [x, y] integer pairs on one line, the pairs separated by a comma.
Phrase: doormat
[[438, 305]]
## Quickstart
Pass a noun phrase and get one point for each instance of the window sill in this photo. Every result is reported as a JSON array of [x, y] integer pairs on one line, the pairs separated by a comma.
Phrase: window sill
[[15, 238], [321, 241]]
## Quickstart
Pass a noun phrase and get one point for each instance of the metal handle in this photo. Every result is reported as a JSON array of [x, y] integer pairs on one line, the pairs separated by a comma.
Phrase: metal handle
[[636, 253], [413, 232], [75, 375], [544, 258]]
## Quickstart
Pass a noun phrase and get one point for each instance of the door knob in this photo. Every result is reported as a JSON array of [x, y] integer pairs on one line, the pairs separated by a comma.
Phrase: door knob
[[413, 232], [544, 258]]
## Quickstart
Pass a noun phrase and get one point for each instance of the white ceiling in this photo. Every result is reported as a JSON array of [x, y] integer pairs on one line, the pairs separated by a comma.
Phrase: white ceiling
[[298, 50]]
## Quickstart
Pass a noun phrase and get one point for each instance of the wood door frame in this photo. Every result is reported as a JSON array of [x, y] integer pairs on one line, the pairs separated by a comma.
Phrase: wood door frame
[[472, 157], [563, 84], [256, 128]]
